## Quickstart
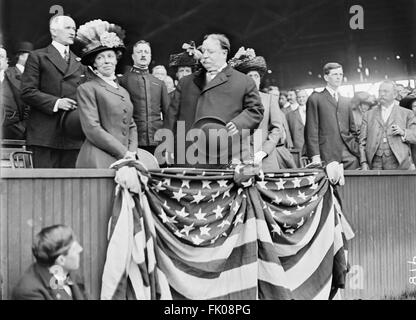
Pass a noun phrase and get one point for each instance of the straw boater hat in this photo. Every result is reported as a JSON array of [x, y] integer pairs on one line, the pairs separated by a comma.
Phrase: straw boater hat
[[96, 36], [185, 58], [246, 61]]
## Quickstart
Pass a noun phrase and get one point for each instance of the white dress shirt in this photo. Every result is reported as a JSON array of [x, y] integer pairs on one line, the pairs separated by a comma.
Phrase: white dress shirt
[[302, 112], [61, 48], [211, 76], [333, 93], [386, 112], [1, 75], [109, 80], [20, 67]]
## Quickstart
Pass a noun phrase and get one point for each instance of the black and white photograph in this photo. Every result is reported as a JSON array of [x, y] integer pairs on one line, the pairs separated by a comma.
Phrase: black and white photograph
[[220, 152]]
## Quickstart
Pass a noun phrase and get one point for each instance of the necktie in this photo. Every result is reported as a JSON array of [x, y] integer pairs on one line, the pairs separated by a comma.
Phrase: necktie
[[66, 55], [336, 96]]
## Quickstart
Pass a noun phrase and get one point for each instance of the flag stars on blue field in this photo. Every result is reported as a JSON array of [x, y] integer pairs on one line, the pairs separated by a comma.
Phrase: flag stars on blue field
[[178, 195], [206, 184], [197, 197], [280, 184], [296, 182], [238, 219], [164, 217], [197, 240], [302, 195], [224, 223], [262, 184], [276, 229], [222, 183], [182, 213], [200, 215], [187, 228], [204, 231], [218, 212], [292, 200], [214, 196], [185, 183]]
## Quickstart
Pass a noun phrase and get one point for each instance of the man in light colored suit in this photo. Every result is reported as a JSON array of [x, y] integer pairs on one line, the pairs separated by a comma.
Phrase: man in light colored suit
[[386, 132]]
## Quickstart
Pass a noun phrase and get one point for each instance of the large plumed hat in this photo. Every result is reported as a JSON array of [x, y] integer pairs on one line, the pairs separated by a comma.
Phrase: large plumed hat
[[97, 36], [186, 58], [245, 60]]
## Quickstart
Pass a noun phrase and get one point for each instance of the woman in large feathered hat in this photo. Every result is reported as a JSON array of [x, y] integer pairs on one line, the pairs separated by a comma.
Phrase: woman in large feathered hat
[[273, 136], [105, 109]]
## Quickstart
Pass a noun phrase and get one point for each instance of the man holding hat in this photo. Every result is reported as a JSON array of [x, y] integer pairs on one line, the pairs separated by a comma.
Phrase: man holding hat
[[49, 85], [215, 91], [16, 111]]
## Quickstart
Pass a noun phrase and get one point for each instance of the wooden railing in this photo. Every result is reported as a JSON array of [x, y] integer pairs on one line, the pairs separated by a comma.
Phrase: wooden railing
[[380, 205]]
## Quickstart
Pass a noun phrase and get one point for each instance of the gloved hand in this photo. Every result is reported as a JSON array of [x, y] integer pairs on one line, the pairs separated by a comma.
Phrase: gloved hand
[[335, 172]]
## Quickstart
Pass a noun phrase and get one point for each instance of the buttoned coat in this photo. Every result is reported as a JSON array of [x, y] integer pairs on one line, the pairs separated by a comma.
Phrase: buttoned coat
[[231, 96], [329, 126], [106, 115], [16, 111], [372, 133], [150, 102], [297, 129], [47, 77], [36, 284]]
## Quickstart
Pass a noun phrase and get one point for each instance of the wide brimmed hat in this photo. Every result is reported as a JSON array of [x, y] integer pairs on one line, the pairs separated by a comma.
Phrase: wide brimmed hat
[[246, 61], [185, 59], [24, 46], [407, 101], [97, 36]]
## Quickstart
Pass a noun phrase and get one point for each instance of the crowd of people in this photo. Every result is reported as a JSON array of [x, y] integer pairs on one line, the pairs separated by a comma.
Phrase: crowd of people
[[77, 112]]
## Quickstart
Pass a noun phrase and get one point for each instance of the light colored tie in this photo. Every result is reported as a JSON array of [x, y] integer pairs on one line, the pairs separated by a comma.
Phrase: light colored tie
[[336, 96]]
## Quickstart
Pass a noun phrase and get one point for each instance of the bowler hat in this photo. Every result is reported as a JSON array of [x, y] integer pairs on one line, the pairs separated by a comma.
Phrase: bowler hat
[[71, 125], [24, 46], [214, 142]]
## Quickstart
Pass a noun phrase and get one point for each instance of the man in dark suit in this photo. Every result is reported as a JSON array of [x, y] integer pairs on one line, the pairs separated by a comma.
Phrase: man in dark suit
[[148, 94], [52, 276], [216, 91], [16, 111], [330, 133], [49, 84], [386, 133]]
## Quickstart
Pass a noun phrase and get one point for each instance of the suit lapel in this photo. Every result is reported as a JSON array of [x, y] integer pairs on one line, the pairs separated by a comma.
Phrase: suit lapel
[[220, 78], [330, 98], [55, 57], [73, 64], [392, 118], [109, 87], [14, 74], [199, 79]]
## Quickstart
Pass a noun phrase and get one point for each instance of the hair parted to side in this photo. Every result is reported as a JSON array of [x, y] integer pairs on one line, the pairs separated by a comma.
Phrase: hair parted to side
[[224, 42], [56, 22], [331, 65], [142, 42], [51, 242]]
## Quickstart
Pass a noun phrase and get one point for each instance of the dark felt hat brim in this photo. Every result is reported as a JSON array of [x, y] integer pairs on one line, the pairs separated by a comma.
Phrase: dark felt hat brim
[[71, 125], [407, 101], [87, 58]]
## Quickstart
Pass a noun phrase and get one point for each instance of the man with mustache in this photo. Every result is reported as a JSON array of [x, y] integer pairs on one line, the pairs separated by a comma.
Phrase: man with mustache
[[148, 94], [49, 85]]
